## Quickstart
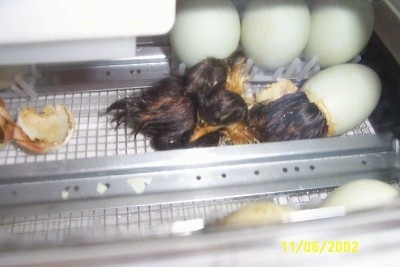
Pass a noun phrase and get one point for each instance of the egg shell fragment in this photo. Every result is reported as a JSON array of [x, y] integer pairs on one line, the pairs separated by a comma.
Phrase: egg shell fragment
[[7, 125], [347, 94], [276, 90], [46, 131], [204, 28], [275, 32], [340, 29], [361, 194]]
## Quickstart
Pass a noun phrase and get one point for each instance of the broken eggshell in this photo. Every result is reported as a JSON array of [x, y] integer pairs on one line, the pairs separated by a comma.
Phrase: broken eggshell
[[46, 131], [276, 90], [6, 125]]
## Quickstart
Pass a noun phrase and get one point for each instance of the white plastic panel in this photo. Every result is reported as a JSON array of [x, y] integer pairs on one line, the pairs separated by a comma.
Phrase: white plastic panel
[[38, 31], [29, 21], [68, 51]]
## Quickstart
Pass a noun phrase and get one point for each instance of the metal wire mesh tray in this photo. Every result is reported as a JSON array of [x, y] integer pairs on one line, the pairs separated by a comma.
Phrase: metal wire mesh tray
[[94, 135]]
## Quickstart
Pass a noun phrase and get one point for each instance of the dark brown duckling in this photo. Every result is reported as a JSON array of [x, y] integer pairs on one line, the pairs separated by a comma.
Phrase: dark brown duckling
[[290, 117], [206, 83], [212, 71], [205, 75], [218, 86], [217, 108], [162, 108], [162, 112]]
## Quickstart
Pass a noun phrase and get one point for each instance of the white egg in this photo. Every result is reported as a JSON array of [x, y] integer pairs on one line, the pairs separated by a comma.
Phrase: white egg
[[340, 29], [346, 94], [204, 28], [275, 32], [361, 194]]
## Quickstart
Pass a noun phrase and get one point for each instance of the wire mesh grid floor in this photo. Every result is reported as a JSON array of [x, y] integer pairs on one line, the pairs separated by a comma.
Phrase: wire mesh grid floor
[[95, 135], [127, 222], [135, 221]]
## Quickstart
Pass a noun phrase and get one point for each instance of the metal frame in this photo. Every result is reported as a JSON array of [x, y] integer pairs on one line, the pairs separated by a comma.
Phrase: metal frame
[[204, 172]]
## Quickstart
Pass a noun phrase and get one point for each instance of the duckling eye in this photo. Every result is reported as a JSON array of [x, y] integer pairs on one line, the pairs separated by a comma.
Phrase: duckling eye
[[201, 123]]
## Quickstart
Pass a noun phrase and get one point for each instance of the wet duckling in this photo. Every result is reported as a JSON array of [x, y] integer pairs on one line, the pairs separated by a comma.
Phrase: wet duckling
[[218, 86], [217, 109], [163, 112], [289, 117]]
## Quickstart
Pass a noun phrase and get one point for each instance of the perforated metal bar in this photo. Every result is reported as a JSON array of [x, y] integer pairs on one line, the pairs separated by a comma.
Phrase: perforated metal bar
[[118, 223]]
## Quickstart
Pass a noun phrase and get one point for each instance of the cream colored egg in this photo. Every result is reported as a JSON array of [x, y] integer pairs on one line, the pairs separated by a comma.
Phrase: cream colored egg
[[204, 28], [346, 94], [340, 29], [361, 194], [275, 32], [257, 213]]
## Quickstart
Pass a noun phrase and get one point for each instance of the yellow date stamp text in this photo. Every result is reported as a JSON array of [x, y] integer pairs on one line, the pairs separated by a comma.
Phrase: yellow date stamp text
[[319, 247]]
